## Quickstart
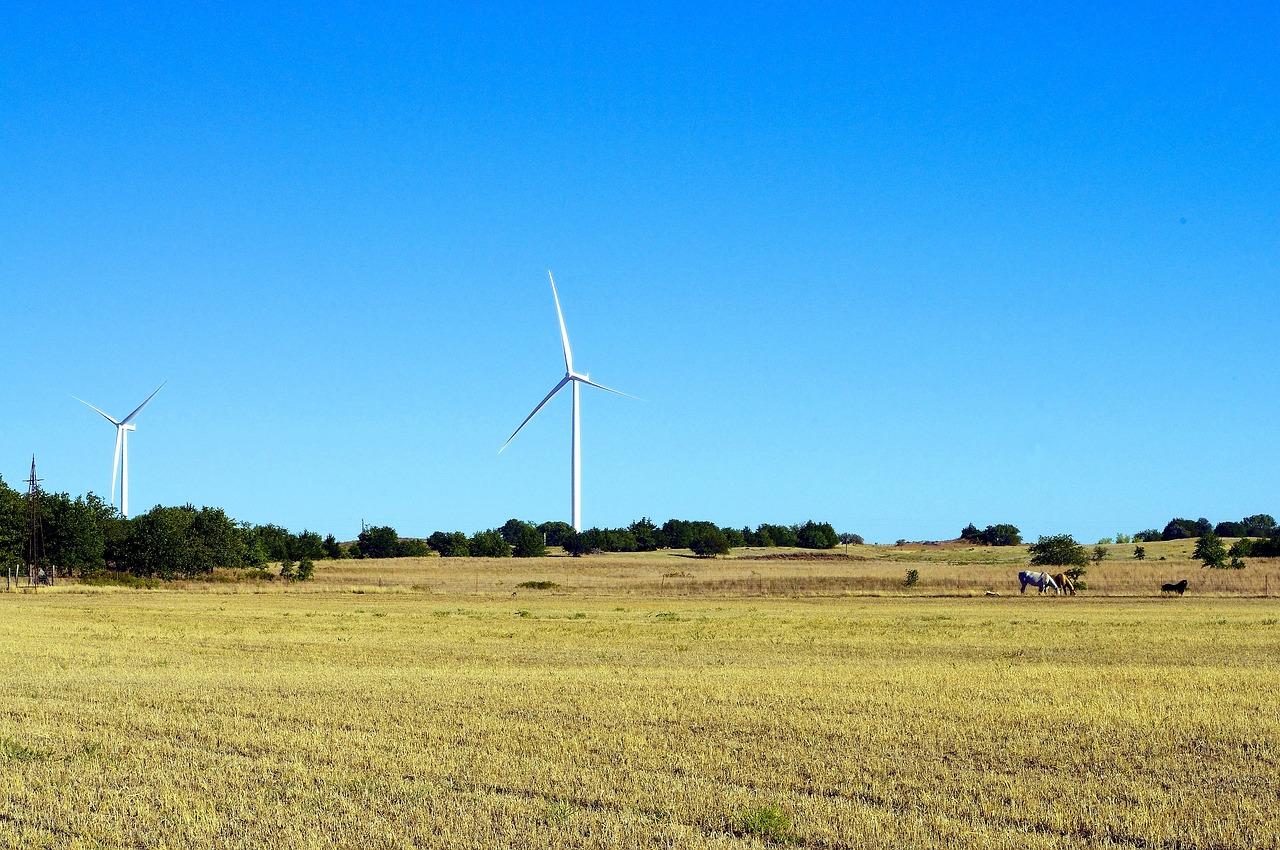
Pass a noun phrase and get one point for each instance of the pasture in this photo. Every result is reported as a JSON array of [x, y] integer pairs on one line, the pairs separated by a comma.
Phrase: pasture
[[742, 704]]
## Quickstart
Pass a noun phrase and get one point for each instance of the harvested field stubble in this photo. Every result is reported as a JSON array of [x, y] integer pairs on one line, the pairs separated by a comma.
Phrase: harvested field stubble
[[169, 719]]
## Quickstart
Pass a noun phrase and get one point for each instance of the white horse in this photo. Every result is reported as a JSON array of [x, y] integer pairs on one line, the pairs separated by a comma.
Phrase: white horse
[[1044, 581]]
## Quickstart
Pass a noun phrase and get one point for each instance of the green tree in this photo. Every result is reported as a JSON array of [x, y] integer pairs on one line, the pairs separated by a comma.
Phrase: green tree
[[528, 542], [816, 535], [1182, 529], [1259, 525], [287, 569], [575, 544], [677, 533], [488, 544], [306, 544], [332, 548], [1099, 554], [73, 535], [412, 547], [556, 532], [781, 535], [709, 542], [647, 535], [1211, 551], [1003, 534], [1059, 550], [379, 541], [450, 544], [1139, 553], [306, 569]]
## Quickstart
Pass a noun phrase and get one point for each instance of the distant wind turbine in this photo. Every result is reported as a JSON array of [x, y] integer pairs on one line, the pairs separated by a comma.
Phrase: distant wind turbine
[[123, 427], [574, 378]]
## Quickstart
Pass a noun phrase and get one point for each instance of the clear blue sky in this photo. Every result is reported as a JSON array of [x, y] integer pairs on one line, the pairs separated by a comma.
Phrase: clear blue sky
[[898, 268]]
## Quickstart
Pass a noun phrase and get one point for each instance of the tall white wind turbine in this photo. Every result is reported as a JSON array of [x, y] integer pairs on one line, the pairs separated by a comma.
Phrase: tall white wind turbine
[[123, 427], [570, 378]]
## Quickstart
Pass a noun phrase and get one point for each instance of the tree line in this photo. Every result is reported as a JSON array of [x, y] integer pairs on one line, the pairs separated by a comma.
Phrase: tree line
[[520, 539], [84, 536]]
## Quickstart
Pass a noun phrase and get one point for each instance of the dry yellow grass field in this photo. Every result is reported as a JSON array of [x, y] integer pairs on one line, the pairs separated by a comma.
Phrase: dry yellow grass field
[[618, 711]]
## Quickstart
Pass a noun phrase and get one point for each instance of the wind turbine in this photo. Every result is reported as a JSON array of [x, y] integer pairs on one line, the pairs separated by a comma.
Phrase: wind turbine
[[123, 427], [575, 379]]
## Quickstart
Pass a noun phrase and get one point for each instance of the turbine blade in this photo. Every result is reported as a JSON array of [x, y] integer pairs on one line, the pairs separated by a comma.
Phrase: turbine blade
[[104, 416], [129, 418], [592, 383], [115, 464], [564, 335], [557, 389]]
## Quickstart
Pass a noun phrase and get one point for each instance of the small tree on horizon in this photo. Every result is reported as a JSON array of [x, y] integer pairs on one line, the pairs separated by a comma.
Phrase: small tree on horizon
[[1210, 550], [1058, 550]]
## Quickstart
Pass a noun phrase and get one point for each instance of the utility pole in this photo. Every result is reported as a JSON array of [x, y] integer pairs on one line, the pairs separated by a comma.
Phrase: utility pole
[[35, 536]]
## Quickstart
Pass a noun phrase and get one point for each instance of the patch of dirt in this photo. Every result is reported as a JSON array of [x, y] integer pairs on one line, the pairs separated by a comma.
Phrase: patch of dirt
[[802, 556]]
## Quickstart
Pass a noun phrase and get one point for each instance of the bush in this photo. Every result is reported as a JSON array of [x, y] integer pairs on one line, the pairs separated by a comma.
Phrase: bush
[[768, 823], [538, 585], [912, 579], [1139, 553], [306, 569], [110, 578]]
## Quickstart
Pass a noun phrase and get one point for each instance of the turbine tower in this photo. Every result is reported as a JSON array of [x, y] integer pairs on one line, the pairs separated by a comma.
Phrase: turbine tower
[[123, 427], [570, 378]]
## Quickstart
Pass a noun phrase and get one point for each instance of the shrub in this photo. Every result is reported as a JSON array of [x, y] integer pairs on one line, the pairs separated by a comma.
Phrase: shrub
[[912, 579], [1139, 553], [109, 578], [768, 823], [306, 569], [538, 585]]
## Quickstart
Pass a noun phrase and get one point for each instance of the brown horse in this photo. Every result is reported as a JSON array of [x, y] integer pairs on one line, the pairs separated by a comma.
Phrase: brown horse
[[1064, 581]]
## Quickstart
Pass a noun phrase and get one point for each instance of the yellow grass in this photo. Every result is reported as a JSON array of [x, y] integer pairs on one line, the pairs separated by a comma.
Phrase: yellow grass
[[945, 570], [611, 716]]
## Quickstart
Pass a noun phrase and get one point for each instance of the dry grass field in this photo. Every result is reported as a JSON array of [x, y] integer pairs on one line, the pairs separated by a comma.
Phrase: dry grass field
[[742, 703]]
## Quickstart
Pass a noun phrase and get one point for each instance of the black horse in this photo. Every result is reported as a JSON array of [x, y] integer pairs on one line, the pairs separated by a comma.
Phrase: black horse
[[1179, 588]]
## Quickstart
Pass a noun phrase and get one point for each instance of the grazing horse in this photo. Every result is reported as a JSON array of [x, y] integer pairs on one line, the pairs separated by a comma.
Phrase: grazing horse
[[1178, 588], [1044, 581], [1065, 583]]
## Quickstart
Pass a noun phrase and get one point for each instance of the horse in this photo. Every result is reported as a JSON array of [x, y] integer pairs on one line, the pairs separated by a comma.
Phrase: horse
[[1065, 583], [1178, 588], [1044, 581]]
